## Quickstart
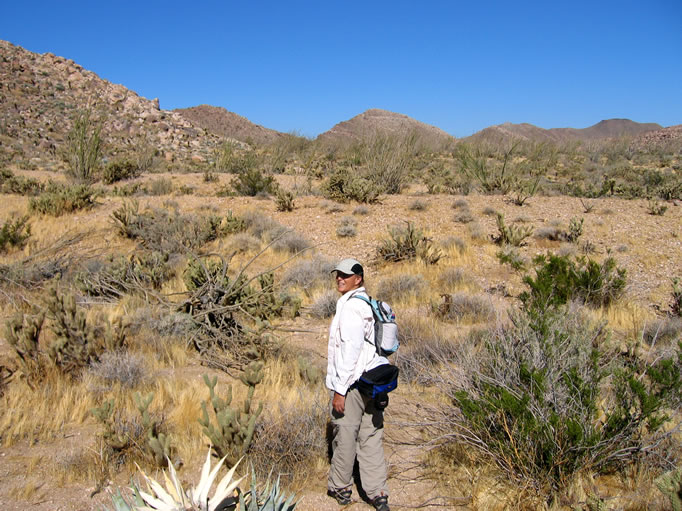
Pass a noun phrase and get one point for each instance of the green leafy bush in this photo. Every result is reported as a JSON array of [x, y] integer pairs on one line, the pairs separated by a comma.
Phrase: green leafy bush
[[252, 181], [559, 279], [10, 183], [119, 170], [344, 185], [544, 403], [57, 200], [15, 233]]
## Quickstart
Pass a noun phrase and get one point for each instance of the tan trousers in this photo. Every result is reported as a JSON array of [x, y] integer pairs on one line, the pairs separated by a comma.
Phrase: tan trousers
[[358, 432]]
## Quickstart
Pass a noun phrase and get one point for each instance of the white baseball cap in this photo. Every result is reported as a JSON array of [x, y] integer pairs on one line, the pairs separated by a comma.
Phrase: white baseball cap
[[350, 266]]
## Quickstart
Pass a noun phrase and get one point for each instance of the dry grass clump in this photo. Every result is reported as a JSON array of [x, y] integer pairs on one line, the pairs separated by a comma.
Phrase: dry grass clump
[[465, 306], [476, 231], [324, 305], [464, 217], [452, 278], [291, 242], [361, 210], [400, 288], [460, 204], [331, 206], [243, 242], [454, 242], [418, 205], [308, 273]]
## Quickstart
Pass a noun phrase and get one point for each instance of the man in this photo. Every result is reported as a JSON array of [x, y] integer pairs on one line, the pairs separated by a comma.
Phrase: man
[[357, 424]]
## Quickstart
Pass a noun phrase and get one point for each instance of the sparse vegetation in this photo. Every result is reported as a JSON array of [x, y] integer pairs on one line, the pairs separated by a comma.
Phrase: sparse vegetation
[[15, 233], [58, 200], [406, 244], [83, 147]]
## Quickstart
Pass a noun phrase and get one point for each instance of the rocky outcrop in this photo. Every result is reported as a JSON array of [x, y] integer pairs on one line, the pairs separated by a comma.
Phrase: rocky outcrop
[[41, 94]]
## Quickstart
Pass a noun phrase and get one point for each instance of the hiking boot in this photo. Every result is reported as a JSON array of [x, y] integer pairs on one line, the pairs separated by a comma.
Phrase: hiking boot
[[342, 496], [380, 503]]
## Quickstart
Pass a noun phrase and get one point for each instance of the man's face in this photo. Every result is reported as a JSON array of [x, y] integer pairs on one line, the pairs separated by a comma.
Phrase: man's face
[[345, 282]]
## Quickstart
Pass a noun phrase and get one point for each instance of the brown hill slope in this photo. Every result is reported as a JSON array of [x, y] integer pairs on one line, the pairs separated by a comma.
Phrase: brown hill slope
[[604, 129], [382, 121], [41, 94], [221, 122], [670, 136]]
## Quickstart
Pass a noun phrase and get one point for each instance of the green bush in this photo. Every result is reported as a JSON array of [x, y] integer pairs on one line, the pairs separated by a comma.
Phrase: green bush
[[252, 181], [59, 200], [511, 234], [284, 200], [119, 170], [10, 183], [546, 403], [15, 233], [344, 185], [559, 279]]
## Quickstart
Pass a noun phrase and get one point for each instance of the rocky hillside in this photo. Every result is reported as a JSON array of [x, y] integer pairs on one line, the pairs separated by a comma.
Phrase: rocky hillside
[[41, 94], [382, 121], [221, 122], [604, 129], [667, 136]]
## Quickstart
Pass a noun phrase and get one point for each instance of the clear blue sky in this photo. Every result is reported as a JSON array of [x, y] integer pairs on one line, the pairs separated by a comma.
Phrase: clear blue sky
[[304, 66]]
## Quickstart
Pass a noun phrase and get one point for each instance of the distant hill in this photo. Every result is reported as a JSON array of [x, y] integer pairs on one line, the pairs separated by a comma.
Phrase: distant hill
[[382, 121], [603, 129], [671, 136], [41, 94], [221, 122]]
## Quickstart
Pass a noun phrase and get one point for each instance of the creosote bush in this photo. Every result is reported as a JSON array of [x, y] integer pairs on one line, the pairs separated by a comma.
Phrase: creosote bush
[[545, 398], [345, 185], [119, 170]]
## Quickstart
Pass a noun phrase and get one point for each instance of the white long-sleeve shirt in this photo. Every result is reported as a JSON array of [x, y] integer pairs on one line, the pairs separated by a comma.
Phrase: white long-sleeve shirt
[[351, 349]]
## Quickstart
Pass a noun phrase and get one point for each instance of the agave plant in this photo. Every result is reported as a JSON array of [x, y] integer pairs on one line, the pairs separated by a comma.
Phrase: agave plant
[[174, 498], [225, 498]]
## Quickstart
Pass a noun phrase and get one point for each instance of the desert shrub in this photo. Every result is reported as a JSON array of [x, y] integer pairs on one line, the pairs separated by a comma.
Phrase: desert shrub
[[243, 242], [83, 147], [559, 280], [119, 170], [291, 242], [545, 400], [400, 287], [252, 182], [406, 244], [555, 233], [308, 273], [122, 275], [418, 205], [10, 183], [57, 200], [361, 210], [490, 211], [209, 176], [423, 347], [122, 367], [511, 256], [665, 330], [288, 442], [330, 206], [464, 217], [344, 185], [465, 306], [284, 200], [164, 231], [460, 204], [324, 305], [15, 233], [347, 227], [476, 231], [261, 226], [232, 224], [511, 234], [160, 186]]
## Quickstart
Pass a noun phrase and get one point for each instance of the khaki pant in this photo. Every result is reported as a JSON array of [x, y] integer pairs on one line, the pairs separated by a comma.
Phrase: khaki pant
[[358, 432]]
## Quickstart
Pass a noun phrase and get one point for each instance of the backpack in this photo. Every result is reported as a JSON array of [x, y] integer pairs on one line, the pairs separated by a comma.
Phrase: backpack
[[385, 327]]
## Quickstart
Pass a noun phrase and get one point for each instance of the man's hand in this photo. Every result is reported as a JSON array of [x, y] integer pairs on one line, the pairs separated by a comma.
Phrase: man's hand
[[339, 403]]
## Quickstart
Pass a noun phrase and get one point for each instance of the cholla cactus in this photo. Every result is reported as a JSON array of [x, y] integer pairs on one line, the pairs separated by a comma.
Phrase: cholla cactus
[[174, 498]]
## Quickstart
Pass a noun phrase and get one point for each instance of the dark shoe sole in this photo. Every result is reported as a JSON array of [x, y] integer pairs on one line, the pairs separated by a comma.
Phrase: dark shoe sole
[[342, 496]]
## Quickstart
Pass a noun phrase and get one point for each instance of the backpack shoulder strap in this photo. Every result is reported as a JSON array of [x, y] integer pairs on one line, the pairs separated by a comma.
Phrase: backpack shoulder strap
[[370, 302]]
